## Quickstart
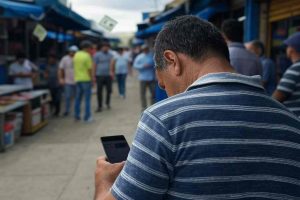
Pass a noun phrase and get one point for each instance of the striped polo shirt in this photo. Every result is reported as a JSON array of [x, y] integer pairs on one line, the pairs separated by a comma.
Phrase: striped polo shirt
[[290, 86], [223, 138]]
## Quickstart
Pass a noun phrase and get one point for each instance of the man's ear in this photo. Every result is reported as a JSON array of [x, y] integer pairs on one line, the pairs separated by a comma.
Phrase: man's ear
[[173, 62]]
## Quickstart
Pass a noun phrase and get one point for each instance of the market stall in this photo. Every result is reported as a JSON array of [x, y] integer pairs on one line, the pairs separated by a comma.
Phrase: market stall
[[22, 111]]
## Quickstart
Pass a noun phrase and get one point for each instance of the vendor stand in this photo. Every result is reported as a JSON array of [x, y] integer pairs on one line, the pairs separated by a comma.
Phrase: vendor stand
[[31, 106]]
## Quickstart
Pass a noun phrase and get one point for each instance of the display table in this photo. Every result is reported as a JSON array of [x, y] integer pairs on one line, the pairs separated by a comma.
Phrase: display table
[[36, 112], [32, 105]]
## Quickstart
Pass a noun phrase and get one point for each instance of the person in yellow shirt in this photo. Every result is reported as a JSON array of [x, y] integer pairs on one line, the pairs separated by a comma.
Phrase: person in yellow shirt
[[83, 76]]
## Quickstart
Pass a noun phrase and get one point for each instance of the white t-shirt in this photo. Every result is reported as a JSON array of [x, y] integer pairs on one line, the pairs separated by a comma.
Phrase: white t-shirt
[[66, 64], [25, 67]]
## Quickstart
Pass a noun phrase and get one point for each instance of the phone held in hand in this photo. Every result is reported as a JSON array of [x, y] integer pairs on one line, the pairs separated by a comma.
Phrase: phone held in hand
[[115, 147]]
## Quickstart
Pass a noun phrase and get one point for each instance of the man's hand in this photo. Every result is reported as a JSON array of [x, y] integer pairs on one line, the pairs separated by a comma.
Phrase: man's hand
[[105, 175]]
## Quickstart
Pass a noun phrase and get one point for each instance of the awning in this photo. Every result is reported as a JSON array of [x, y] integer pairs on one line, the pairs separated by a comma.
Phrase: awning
[[10, 9], [60, 15], [152, 30], [212, 10], [65, 17], [170, 14], [60, 37]]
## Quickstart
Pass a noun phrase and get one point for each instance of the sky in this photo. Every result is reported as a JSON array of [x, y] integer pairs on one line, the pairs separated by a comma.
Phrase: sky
[[127, 12]]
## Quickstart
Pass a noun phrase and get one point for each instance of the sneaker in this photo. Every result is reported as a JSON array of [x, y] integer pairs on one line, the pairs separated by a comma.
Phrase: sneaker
[[89, 120]]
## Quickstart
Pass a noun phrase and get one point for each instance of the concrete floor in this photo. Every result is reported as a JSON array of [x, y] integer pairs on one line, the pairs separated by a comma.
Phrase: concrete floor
[[58, 162]]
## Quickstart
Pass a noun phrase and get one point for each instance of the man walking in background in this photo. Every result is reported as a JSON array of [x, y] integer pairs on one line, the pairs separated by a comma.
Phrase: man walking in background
[[121, 67], [145, 65], [66, 77], [83, 75], [243, 61], [288, 89], [268, 66], [102, 62]]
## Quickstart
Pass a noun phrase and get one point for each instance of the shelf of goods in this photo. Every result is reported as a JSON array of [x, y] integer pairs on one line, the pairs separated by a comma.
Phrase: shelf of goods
[[22, 112]]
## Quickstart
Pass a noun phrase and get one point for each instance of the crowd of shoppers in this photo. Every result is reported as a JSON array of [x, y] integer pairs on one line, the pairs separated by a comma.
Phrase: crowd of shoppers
[[77, 72]]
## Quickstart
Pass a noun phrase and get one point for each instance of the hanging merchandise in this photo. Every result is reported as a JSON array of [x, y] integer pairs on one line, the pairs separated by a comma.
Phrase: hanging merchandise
[[40, 32]]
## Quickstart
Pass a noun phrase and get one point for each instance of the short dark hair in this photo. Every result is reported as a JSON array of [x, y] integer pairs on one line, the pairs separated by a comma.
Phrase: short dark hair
[[258, 44], [85, 44], [233, 30], [191, 36]]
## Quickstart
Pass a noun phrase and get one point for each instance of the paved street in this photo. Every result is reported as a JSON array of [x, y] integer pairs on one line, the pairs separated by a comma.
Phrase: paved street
[[58, 162]]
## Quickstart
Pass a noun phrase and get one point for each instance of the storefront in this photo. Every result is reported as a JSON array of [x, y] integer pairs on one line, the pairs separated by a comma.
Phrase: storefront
[[284, 20]]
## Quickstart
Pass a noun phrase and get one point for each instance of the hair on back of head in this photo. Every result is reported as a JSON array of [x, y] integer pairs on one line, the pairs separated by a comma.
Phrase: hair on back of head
[[233, 30], [258, 44], [191, 36]]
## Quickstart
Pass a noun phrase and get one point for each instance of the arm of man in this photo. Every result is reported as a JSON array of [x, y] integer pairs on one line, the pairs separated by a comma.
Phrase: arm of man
[[61, 73], [286, 86], [112, 68], [147, 169], [138, 64]]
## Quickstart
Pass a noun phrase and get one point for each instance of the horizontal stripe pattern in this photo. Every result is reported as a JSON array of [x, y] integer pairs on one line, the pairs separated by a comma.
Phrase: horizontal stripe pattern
[[221, 139], [290, 86]]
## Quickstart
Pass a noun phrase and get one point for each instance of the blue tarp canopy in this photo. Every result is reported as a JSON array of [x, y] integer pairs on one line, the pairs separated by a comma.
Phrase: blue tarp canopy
[[11, 9], [61, 37], [170, 14], [151, 30], [58, 14], [211, 10]]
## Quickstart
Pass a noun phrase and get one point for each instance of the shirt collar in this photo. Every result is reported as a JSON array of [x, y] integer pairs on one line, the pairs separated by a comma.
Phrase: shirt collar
[[236, 44], [226, 77]]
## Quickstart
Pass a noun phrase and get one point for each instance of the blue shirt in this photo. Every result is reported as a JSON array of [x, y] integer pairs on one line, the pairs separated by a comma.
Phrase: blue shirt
[[290, 85], [223, 138], [145, 73], [121, 64], [269, 74], [102, 61], [243, 61]]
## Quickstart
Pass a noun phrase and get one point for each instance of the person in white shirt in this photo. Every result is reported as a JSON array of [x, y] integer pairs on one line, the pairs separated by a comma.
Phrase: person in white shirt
[[66, 77], [22, 71]]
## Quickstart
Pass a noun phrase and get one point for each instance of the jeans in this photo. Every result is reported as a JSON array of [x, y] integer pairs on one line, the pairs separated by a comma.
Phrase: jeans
[[143, 87], [104, 81], [70, 91], [121, 78], [83, 89]]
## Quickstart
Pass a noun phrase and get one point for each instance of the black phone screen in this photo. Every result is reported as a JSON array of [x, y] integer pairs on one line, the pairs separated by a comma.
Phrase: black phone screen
[[116, 148]]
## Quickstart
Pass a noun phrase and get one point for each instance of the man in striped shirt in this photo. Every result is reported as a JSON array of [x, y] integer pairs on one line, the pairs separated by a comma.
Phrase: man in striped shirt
[[288, 89], [218, 136]]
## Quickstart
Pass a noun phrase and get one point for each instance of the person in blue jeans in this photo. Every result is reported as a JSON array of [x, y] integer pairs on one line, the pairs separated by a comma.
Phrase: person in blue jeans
[[121, 67], [66, 77], [83, 75]]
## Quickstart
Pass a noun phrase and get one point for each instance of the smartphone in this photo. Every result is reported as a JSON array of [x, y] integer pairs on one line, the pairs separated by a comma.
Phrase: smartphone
[[116, 148]]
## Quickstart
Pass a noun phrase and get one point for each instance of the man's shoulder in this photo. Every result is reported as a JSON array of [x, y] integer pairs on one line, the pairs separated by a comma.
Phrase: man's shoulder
[[166, 105]]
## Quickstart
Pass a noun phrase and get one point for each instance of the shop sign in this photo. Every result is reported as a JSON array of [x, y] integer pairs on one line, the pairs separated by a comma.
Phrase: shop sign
[[108, 23]]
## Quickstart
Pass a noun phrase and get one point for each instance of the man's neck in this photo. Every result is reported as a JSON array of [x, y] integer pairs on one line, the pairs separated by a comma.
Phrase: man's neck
[[296, 59], [211, 65], [214, 65]]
